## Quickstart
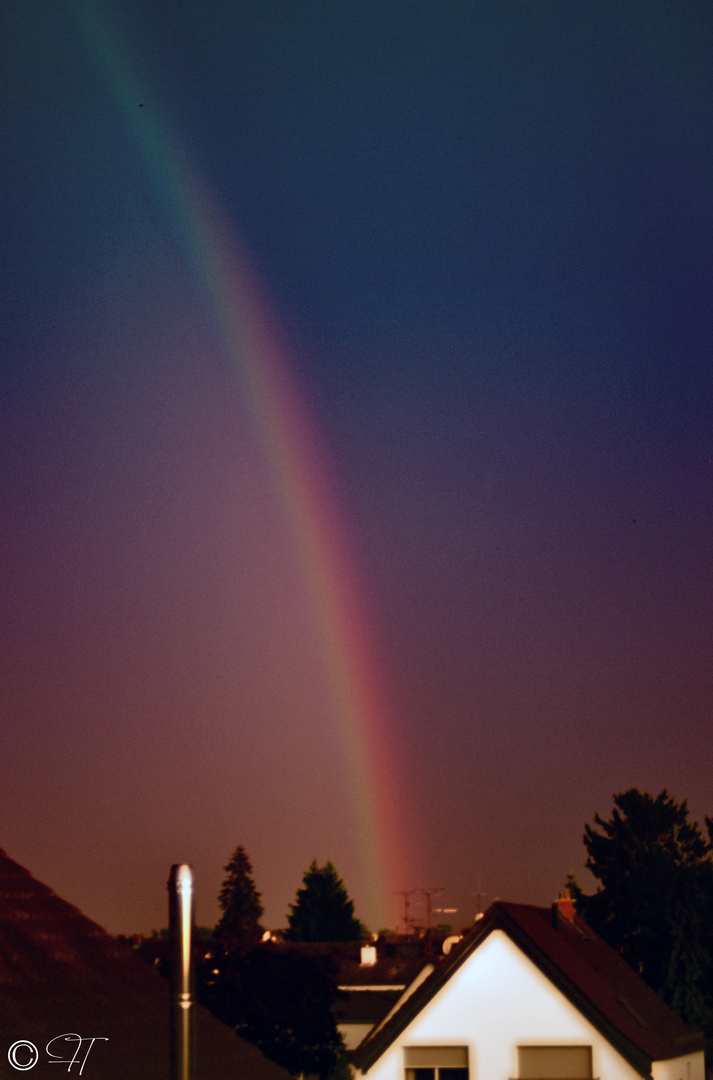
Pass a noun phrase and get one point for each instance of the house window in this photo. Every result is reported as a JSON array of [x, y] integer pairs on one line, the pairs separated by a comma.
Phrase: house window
[[436, 1062], [554, 1062]]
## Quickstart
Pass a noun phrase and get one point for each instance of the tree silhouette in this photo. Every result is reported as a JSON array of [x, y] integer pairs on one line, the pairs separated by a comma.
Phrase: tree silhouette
[[322, 910], [654, 903], [281, 1001], [239, 901]]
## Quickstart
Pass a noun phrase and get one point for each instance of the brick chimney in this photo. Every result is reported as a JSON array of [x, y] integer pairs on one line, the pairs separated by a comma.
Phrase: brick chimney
[[563, 908]]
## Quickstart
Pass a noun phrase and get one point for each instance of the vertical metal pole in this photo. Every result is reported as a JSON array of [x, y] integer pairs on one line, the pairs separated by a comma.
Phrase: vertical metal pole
[[180, 930]]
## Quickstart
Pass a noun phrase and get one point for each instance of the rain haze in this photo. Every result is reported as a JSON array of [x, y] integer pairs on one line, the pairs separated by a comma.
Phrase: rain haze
[[357, 457]]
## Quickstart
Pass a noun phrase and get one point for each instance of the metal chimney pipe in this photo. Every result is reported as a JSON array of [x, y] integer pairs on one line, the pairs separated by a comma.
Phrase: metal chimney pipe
[[180, 931]]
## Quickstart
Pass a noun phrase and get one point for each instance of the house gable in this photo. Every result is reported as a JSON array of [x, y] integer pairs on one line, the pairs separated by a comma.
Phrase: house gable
[[541, 963], [497, 1001]]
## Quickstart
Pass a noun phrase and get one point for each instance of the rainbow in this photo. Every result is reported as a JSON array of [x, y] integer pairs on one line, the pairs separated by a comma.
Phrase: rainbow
[[250, 333]]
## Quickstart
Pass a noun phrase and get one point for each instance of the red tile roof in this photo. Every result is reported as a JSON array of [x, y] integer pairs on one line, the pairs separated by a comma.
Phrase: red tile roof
[[590, 974], [387, 971]]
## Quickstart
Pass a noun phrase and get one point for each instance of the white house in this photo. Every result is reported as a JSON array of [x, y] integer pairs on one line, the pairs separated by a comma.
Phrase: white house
[[533, 994]]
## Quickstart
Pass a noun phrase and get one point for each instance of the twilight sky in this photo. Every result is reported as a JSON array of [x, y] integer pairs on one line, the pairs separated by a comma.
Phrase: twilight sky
[[483, 233]]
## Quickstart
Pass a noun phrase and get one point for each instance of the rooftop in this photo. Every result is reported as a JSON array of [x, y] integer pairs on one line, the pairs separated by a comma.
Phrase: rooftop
[[594, 978]]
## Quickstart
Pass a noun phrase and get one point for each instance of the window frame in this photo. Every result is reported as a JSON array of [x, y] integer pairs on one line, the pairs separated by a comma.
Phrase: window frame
[[439, 1059]]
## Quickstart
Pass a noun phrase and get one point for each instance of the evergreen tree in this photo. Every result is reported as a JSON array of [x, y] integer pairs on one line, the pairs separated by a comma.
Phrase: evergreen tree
[[239, 901], [323, 910], [654, 903]]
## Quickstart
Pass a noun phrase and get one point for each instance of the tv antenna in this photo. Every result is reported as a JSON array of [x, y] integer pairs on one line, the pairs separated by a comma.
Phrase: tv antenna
[[478, 896], [408, 923], [428, 893]]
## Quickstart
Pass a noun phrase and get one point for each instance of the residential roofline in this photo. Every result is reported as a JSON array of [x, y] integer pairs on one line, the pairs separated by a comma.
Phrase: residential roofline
[[498, 917]]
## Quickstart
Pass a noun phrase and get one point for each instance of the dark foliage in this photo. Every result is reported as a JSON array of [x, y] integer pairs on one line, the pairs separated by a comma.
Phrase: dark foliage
[[279, 1000], [239, 901], [654, 903], [323, 910]]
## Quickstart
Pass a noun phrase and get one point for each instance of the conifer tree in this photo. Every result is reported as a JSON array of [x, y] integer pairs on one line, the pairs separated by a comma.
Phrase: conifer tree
[[655, 897], [322, 910], [239, 901]]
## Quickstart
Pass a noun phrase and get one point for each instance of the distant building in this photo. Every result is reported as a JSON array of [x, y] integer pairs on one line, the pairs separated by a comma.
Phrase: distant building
[[371, 984]]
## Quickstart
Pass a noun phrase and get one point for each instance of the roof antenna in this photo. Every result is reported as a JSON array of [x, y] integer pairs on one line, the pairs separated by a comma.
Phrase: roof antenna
[[408, 922], [428, 893], [180, 930]]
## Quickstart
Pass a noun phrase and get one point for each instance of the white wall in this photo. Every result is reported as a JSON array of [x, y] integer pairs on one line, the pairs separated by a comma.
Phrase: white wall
[[688, 1067], [495, 1002]]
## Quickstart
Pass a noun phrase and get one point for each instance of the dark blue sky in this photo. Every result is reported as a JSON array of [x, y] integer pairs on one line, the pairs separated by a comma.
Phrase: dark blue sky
[[486, 230]]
